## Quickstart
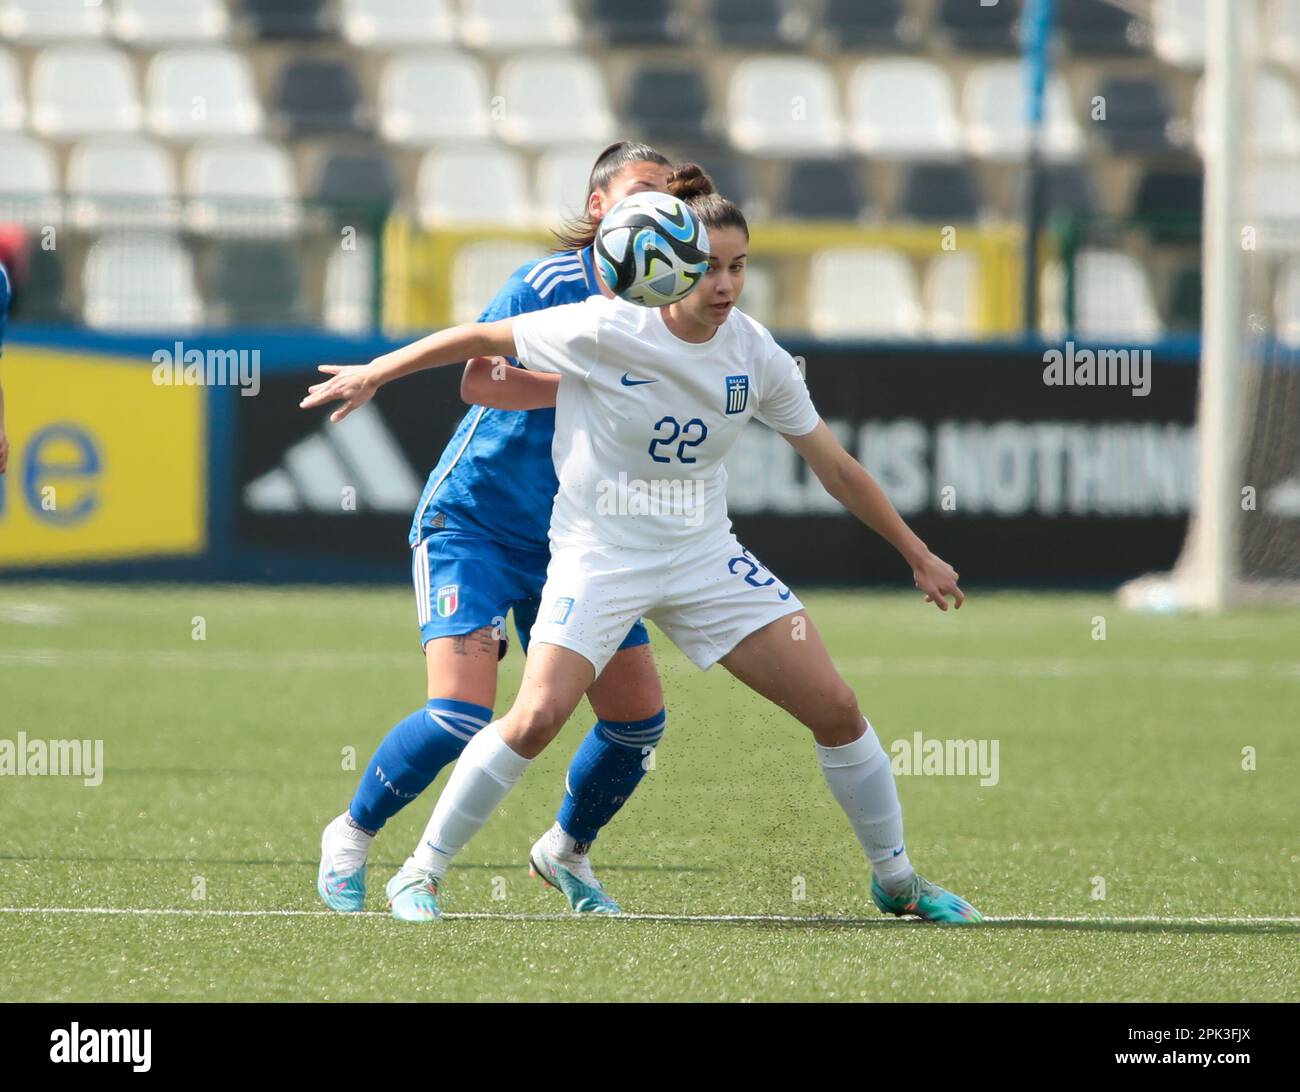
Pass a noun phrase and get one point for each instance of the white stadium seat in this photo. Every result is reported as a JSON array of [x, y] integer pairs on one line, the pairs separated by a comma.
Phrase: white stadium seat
[[51, 20], [160, 22], [995, 103], [241, 187], [140, 283], [517, 24], [553, 98], [950, 291], [1179, 31], [562, 176], [202, 92], [28, 183], [759, 299], [349, 296], [864, 293], [1282, 30], [479, 271], [903, 108], [1275, 121], [125, 181], [1271, 204], [780, 105], [1112, 298], [1286, 303], [433, 95], [13, 112], [83, 90], [474, 184], [394, 24]]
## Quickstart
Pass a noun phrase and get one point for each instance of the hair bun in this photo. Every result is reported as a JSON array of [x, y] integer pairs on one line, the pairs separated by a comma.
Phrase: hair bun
[[690, 180]]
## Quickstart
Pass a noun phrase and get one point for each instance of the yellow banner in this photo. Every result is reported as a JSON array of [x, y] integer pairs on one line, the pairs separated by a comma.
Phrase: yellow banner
[[104, 465]]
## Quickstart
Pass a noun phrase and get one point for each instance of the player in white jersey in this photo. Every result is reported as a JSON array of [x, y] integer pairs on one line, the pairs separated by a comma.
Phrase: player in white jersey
[[647, 404]]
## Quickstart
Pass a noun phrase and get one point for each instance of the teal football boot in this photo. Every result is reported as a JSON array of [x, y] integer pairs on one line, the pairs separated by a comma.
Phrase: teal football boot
[[413, 895], [925, 900], [572, 877], [341, 877]]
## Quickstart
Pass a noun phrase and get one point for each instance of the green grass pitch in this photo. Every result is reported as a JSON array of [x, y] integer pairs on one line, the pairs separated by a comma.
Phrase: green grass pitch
[[1120, 772]]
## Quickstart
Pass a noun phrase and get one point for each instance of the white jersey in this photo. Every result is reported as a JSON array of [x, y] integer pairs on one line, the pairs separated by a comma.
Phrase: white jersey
[[643, 419]]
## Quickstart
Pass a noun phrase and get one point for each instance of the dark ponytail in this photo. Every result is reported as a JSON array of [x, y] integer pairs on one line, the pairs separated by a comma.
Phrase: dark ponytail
[[692, 184], [580, 232]]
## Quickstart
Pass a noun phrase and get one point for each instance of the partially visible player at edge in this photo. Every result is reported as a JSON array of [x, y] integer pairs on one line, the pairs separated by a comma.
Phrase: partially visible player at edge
[[479, 541], [4, 311], [698, 373]]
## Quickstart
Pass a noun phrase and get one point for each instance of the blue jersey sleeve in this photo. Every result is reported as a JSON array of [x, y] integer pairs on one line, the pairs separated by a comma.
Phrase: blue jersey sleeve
[[4, 304]]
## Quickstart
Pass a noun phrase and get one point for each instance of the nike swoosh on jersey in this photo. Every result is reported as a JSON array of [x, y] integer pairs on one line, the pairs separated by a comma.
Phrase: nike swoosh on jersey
[[635, 382]]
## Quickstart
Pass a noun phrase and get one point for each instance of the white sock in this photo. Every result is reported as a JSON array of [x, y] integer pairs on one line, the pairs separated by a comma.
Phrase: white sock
[[486, 770], [349, 844], [562, 844], [862, 783]]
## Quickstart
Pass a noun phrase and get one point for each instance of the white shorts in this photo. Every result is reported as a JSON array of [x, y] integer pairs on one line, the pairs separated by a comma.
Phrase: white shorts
[[706, 598]]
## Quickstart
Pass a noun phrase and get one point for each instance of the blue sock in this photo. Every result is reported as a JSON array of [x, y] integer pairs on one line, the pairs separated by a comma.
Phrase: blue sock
[[411, 756], [608, 766]]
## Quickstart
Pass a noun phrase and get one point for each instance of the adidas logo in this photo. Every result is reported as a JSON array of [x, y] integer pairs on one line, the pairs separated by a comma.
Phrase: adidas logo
[[358, 453]]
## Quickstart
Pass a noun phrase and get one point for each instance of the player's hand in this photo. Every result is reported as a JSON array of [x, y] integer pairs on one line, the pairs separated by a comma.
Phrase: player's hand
[[351, 384], [4, 451], [938, 580]]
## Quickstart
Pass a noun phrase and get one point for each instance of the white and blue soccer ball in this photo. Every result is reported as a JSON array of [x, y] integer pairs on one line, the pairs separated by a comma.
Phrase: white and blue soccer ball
[[651, 250]]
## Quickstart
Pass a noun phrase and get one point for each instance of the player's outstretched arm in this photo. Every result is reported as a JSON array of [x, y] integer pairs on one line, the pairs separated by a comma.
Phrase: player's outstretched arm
[[355, 385], [850, 484], [496, 384]]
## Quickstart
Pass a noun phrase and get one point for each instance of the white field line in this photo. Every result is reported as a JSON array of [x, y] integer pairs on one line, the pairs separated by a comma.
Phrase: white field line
[[968, 666], [682, 919]]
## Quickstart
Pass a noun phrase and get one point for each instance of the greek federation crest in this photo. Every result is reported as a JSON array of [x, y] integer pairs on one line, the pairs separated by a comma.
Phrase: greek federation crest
[[737, 393]]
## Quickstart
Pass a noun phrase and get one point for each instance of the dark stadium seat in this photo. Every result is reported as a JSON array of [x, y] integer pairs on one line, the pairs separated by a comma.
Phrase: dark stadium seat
[[866, 24], [823, 189], [669, 103], [256, 283], [756, 24], [973, 28], [731, 175], [1068, 190], [940, 193], [1138, 114], [287, 18], [1185, 300], [1170, 203], [647, 22], [1094, 28], [357, 178], [319, 95]]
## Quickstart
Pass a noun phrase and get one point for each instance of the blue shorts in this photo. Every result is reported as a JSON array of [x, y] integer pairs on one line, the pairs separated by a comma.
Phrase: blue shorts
[[464, 582]]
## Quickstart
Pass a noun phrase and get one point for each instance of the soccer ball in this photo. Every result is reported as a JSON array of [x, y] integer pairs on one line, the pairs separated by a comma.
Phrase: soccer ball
[[651, 249]]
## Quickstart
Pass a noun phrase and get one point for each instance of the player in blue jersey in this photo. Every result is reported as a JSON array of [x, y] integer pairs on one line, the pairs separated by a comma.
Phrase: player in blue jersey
[[479, 551]]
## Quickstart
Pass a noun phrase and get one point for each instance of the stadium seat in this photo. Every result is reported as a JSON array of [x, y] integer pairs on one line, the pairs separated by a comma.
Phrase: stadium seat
[[562, 176], [13, 112], [1179, 31], [977, 28], [950, 291], [479, 271], [763, 120], [1282, 31], [903, 108], [1275, 121], [517, 24], [241, 187], [940, 193], [357, 179], [995, 105], [29, 182], [1113, 298], [202, 92], [45, 298], [1170, 204], [759, 298], [732, 176], [35, 21], [121, 182], [348, 300], [483, 184], [393, 24], [824, 189], [868, 24], [140, 282], [669, 103], [863, 293], [163, 22], [287, 18], [1067, 191], [758, 24], [255, 283], [1138, 114], [1096, 28], [83, 90], [1286, 303], [319, 95], [553, 98], [647, 22], [1185, 301], [434, 95], [1271, 204]]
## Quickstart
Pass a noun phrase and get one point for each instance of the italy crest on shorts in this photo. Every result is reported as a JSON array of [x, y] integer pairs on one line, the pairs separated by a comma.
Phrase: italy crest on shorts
[[448, 600], [737, 393]]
